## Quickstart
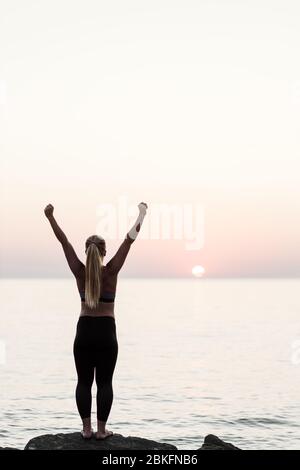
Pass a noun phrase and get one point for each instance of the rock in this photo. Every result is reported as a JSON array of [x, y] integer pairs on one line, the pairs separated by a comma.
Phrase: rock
[[74, 441], [9, 448], [212, 442]]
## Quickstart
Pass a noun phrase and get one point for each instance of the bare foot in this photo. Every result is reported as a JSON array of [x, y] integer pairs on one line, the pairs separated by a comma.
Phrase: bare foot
[[101, 435], [87, 434]]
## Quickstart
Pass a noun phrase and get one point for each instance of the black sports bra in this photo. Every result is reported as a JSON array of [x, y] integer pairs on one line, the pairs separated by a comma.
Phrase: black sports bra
[[106, 297]]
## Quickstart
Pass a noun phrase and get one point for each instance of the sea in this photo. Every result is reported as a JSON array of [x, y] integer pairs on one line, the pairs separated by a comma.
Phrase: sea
[[196, 356]]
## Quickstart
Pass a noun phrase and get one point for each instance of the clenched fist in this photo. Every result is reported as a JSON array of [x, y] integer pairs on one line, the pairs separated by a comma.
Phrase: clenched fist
[[49, 210], [143, 207]]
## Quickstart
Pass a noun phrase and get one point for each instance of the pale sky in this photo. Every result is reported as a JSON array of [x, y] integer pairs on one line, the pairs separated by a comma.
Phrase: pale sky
[[162, 101]]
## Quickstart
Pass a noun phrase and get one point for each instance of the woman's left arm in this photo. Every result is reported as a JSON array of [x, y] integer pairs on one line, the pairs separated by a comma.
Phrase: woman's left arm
[[74, 262], [116, 263]]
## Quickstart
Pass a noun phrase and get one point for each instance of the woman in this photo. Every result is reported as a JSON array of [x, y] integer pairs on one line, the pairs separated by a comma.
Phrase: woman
[[95, 346]]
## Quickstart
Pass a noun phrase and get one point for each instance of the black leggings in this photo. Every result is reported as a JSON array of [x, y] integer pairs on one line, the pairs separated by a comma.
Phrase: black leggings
[[95, 346]]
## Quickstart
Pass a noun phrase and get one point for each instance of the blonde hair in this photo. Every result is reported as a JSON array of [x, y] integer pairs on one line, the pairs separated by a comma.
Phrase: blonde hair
[[94, 263]]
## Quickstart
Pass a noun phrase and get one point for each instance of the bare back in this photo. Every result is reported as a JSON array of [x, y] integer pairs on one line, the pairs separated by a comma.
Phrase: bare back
[[109, 277], [108, 286]]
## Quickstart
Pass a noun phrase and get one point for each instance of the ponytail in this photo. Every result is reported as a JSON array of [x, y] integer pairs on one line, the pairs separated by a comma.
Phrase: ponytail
[[94, 263]]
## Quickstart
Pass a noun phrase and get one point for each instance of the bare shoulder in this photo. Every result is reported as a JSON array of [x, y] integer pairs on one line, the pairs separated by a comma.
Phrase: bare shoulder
[[110, 279], [108, 271]]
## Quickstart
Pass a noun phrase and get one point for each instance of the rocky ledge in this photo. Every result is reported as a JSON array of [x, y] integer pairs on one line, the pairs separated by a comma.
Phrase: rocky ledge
[[74, 441]]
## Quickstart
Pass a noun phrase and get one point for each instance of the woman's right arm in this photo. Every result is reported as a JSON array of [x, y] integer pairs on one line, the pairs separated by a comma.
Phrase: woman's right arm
[[116, 263]]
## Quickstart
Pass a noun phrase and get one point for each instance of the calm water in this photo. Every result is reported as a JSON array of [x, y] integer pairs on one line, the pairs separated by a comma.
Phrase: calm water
[[195, 357]]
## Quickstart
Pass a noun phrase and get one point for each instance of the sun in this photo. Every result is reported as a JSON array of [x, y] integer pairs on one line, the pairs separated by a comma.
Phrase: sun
[[198, 271]]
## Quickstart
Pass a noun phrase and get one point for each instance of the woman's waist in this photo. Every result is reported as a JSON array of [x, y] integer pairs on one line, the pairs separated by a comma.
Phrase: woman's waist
[[102, 309], [91, 317], [97, 315]]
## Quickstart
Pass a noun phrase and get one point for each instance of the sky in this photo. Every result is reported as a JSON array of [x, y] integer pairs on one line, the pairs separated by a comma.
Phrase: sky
[[176, 103]]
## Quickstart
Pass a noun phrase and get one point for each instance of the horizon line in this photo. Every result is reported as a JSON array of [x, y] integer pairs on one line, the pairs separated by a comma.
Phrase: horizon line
[[159, 277]]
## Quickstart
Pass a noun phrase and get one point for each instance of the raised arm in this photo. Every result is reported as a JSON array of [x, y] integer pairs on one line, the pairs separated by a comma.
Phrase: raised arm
[[116, 263], [74, 262]]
